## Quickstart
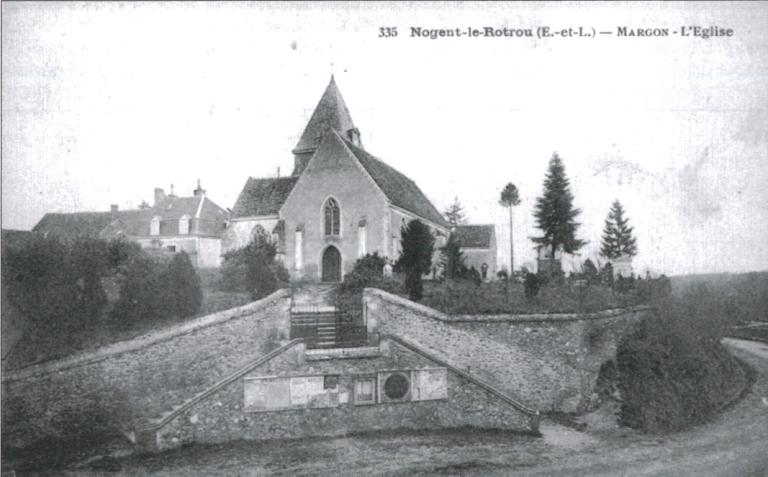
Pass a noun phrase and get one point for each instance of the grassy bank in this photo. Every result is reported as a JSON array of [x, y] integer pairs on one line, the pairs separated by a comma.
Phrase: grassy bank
[[673, 370]]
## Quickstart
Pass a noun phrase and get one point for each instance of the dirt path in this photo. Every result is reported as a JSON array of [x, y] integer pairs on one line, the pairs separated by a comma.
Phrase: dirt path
[[734, 444]]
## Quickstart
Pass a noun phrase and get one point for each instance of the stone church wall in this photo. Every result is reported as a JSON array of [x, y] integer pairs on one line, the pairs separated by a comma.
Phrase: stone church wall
[[332, 172], [223, 415], [548, 361], [128, 382]]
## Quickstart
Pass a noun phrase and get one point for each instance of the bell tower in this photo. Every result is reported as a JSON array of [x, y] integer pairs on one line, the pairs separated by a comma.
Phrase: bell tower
[[330, 113]]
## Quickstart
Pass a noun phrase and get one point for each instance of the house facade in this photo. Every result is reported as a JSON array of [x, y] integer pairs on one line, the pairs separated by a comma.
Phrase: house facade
[[172, 224], [340, 203], [478, 247]]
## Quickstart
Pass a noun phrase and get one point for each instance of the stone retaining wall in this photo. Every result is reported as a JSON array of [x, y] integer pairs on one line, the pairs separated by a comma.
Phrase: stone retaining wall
[[221, 416], [127, 383], [547, 361]]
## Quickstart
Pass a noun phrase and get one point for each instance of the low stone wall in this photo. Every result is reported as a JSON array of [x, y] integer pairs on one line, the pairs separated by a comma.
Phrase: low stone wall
[[222, 416], [127, 383], [548, 361]]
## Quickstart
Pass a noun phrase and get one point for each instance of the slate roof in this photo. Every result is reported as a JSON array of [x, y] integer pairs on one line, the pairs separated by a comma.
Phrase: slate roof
[[263, 196], [69, 226], [475, 236], [330, 113], [399, 189], [75, 225]]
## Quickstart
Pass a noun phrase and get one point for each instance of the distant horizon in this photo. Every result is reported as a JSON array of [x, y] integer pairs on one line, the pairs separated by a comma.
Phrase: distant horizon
[[95, 113]]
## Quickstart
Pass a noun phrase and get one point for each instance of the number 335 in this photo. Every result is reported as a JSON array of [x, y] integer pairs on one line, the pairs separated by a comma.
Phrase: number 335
[[387, 32]]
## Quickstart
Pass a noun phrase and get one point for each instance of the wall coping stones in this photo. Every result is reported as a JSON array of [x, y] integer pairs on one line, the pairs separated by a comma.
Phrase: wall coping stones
[[342, 353], [144, 341], [512, 318]]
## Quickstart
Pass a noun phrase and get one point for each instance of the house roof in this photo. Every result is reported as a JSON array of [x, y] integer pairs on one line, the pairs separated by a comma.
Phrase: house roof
[[130, 222], [263, 196], [330, 113], [75, 225], [475, 236], [399, 189]]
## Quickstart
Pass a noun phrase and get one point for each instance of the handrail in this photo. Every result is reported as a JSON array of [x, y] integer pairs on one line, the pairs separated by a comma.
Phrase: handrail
[[215, 387], [487, 386]]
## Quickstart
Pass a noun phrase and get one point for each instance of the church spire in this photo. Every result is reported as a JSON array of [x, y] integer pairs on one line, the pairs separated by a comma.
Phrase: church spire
[[330, 113]]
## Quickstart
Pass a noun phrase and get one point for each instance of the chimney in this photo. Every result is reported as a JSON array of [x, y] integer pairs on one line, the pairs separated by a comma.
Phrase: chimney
[[159, 196], [172, 195], [113, 208], [278, 172], [199, 191]]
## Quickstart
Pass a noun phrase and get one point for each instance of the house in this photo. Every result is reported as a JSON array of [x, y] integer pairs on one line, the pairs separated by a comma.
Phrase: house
[[193, 224], [478, 246], [340, 203]]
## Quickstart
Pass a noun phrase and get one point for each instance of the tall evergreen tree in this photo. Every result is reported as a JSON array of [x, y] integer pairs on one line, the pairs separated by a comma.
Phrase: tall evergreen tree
[[510, 197], [452, 259], [455, 214], [555, 214], [418, 245], [617, 238]]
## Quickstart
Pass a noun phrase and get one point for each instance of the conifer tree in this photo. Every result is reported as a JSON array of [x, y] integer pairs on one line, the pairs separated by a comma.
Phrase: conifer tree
[[555, 214], [455, 214], [617, 240], [418, 245], [510, 197]]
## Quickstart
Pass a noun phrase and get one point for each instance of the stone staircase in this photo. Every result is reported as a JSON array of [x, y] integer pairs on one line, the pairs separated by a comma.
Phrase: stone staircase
[[315, 318]]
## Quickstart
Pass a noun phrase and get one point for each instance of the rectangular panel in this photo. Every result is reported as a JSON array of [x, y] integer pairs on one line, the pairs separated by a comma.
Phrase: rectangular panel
[[431, 384]]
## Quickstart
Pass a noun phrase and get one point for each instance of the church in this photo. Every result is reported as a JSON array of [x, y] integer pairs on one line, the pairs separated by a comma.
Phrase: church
[[341, 203]]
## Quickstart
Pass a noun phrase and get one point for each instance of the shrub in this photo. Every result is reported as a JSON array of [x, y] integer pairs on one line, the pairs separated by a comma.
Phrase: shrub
[[590, 273], [673, 371], [183, 294], [141, 297], [254, 268], [367, 272], [531, 284]]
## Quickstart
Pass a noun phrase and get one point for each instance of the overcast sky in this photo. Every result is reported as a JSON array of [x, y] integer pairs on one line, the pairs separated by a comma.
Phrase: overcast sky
[[102, 102]]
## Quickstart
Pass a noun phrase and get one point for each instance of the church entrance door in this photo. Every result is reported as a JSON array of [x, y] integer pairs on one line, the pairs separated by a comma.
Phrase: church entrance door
[[331, 265]]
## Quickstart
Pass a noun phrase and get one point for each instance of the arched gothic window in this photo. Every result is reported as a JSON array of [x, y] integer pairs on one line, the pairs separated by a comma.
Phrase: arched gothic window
[[184, 225], [332, 217], [154, 225]]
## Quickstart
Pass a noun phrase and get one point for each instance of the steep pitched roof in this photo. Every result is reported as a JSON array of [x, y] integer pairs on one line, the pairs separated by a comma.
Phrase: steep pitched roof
[[399, 189], [476, 236], [263, 196], [74, 225], [330, 113]]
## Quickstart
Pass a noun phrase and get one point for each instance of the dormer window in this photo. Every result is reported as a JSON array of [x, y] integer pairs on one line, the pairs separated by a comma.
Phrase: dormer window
[[184, 225], [154, 225], [332, 217]]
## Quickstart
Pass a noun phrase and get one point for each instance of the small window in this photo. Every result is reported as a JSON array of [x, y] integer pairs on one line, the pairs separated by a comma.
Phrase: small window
[[171, 248], [331, 382], [154, 226], [184, 225], [365, 391]]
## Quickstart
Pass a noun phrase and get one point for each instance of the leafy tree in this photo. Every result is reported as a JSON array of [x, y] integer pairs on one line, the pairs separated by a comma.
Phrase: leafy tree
[[510, 197], [254, 268], [452, 259], [455, 213], [141, 297], [418, 245], [183, 293], [617, 238], [555, 214]]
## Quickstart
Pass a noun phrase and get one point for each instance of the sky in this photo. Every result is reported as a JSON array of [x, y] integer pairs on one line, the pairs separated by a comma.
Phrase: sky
[[103, 102]]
